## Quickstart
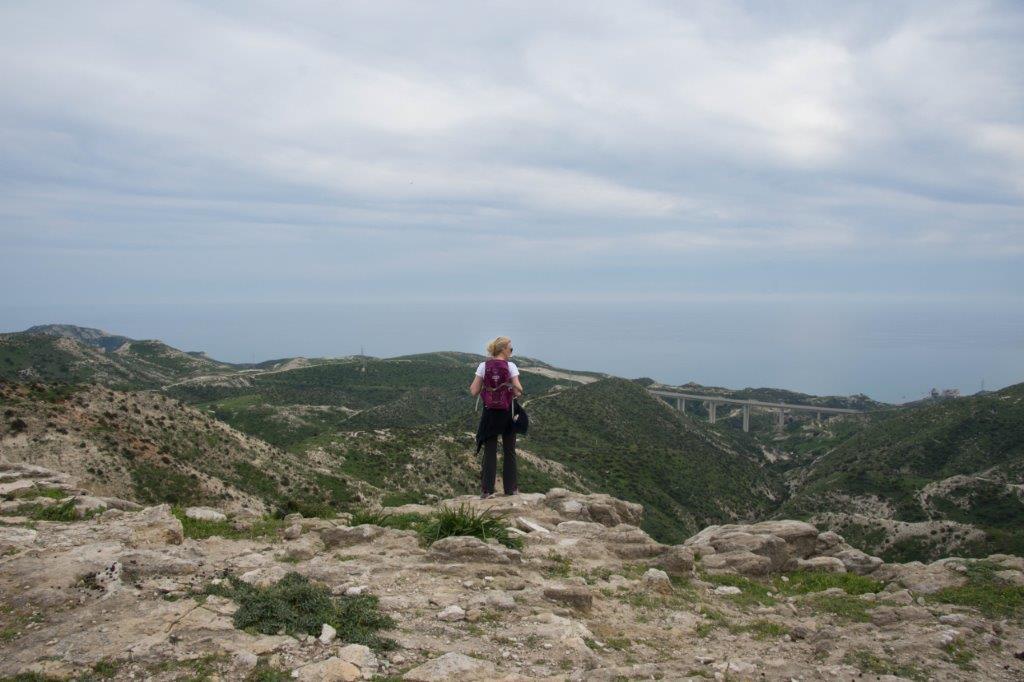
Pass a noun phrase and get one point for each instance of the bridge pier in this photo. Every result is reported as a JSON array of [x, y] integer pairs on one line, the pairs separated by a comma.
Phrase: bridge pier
[[712, 410], [746, 418], [681, 404], [780, 421]]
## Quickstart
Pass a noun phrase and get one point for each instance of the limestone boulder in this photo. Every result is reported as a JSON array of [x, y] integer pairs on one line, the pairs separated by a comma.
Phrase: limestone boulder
[[766, 545], [656, 580], [153, 527], [603, 509], [452, 667], [821, 564], [922, 578], [471, 549], [576, 596], [333, 669], [858, 562], [345, 536], [302, 549], [677, 560], [205, 514], [742, 562], [800, 537]]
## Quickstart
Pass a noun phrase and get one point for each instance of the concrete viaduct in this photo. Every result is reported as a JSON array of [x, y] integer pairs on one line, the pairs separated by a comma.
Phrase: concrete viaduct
[[713, 401]]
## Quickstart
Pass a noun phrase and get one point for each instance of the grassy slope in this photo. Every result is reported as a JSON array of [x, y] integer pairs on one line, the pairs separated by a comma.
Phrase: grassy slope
[[622, 441], [369, 393], [896, 456]]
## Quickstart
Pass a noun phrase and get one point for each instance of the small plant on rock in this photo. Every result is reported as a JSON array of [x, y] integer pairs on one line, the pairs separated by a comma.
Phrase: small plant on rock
[[464, 520]]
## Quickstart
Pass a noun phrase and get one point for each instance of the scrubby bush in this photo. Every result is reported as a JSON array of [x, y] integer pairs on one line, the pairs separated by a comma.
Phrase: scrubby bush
[[297, 606]]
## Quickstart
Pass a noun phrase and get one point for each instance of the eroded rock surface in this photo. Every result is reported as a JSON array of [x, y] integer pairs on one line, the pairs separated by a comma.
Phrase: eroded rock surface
[[588, 596]]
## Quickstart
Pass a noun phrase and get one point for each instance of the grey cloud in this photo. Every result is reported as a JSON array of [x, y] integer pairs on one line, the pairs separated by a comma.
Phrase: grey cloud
[[390, 133]]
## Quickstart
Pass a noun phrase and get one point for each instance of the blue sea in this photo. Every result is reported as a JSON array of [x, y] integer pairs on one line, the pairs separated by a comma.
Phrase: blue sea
[[894, 352]]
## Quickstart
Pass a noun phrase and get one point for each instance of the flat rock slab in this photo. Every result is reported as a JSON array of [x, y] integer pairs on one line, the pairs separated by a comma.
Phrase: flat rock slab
[[331, 670], [575, 596], [452, 667]]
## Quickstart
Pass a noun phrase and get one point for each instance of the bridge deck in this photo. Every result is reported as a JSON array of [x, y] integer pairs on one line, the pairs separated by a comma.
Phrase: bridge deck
[[752, 403]]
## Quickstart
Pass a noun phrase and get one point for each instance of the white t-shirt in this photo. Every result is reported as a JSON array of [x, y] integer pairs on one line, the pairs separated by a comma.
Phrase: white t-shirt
[[513, 371]]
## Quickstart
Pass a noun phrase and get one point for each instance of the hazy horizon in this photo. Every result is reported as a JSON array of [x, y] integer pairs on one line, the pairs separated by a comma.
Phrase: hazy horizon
[[893, 353]]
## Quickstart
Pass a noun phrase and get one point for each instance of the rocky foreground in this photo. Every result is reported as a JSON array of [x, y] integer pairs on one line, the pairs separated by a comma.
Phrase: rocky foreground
[[116, 591]]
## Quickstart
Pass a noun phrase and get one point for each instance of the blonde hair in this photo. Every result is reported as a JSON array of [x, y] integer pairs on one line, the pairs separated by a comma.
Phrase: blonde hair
[[497, 345]]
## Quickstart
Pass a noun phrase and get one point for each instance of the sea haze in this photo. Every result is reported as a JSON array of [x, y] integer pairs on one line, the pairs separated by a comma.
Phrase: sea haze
[[893, 351]]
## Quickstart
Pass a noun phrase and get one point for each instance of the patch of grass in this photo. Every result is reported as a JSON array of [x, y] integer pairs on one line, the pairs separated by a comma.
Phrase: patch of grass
[[867, 662], [266, 527], [716, 619], [38, 491], [297, 606], [803, 582], [464, 520], [633, 571], [958, 652], [101, 670], [752, 594], [985, 592], [764, 629], [410, 521], [63, 512], [844, 606], [618, 643], [559, 566]]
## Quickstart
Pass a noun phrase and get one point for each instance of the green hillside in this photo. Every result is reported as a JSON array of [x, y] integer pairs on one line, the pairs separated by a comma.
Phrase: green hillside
[[622, 441], [969, 452], [287, 408]]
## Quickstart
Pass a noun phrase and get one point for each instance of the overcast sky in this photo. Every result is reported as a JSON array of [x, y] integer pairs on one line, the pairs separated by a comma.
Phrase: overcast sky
[[303, 151]]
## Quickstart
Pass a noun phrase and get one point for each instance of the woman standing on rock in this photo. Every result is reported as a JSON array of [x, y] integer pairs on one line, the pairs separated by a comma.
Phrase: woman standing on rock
[[497, 382]]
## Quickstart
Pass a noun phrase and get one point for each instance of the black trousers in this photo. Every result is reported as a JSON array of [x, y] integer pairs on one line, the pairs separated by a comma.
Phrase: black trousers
[[508, 463]]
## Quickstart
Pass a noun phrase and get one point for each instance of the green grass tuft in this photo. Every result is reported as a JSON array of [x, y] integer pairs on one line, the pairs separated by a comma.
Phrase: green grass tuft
[[464, 520]]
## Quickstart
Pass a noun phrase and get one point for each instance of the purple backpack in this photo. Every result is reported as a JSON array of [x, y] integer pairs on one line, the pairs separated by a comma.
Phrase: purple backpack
[[497, 389]]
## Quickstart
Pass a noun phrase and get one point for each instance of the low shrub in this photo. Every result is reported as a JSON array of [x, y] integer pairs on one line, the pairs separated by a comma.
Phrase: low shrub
[[297, 606]]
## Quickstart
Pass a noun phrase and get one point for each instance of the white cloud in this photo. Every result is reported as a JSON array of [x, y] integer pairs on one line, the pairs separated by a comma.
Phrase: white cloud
[[642, 131]]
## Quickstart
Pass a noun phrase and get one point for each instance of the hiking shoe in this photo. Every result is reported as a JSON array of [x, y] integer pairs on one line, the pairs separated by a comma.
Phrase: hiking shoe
[[487, 496]]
